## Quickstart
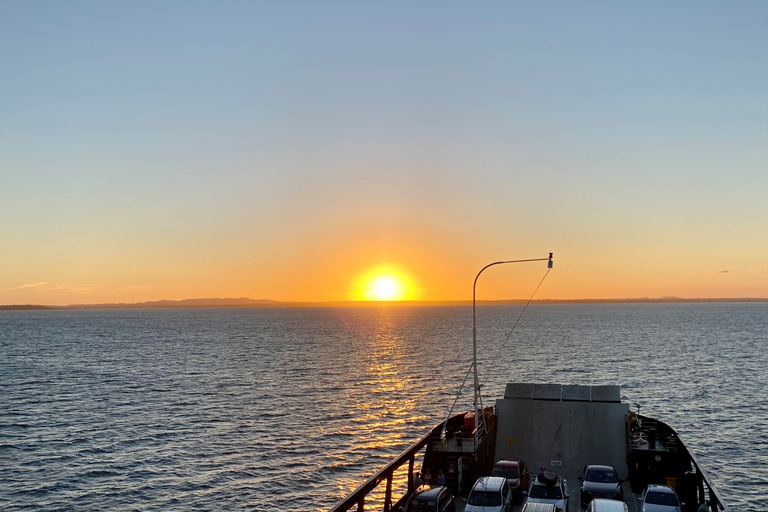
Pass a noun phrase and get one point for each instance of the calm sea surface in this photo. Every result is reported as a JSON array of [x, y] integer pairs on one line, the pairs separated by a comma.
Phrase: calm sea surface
[[290, 409]]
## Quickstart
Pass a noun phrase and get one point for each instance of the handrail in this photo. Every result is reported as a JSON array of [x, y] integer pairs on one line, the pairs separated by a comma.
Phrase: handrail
[[358, 496], [713, 493]]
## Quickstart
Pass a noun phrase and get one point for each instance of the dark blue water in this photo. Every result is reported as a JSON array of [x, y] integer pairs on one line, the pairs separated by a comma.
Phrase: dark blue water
[[290, 409]]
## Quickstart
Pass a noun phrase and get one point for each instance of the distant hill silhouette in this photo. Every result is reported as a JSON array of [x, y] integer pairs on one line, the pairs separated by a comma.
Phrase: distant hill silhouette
[[244, 302], [186, 303]]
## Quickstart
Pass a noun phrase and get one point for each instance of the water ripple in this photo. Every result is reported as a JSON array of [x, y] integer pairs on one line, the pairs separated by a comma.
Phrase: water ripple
[[290, 409]]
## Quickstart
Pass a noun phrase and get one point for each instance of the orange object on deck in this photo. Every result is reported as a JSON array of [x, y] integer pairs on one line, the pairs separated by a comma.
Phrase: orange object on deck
[[469, 421]]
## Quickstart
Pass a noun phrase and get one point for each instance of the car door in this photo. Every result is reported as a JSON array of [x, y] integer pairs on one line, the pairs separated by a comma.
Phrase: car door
[[506, 496], [444, 502], [523, 475]]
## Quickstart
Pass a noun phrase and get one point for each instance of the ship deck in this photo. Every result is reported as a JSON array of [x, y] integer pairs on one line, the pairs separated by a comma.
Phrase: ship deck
[[559, 428], [564, 429]]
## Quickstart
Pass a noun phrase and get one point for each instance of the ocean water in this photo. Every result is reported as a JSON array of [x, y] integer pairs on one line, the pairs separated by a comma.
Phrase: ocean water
[[290, 409]]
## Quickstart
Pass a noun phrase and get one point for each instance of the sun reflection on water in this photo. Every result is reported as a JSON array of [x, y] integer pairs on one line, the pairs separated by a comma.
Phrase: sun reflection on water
[[385, 410]]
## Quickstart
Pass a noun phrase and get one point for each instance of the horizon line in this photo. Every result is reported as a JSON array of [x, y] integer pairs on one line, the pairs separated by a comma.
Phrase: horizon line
[[244, 302]]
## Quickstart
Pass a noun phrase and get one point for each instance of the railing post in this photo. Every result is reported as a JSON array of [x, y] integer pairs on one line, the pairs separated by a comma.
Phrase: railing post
[[361, 505], [388, 494], [410, 475]]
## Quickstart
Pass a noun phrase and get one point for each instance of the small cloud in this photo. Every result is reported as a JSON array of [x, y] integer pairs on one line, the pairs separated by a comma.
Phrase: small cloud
[[68, 287], [723, 272], [25, 286]]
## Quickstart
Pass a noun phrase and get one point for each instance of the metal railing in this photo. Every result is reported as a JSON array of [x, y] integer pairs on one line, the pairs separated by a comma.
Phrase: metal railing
[[716, 502], [357, 498]]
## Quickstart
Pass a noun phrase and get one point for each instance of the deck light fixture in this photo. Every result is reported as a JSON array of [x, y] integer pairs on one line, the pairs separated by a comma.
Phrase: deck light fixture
[[474, 326]]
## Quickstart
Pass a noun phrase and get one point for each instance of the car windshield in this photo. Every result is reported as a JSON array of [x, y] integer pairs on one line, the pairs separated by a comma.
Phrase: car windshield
[[547, 492], [605, 476], [421, 506], [505, 472], [484, 499], [661, 498]]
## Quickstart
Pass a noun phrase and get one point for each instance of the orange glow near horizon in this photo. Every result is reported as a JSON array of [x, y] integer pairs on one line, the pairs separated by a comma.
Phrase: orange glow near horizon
[[384, 283]]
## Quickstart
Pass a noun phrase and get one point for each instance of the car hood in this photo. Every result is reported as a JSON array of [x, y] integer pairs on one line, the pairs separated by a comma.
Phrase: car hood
[[600, 488], [475, 508], [648, 507]]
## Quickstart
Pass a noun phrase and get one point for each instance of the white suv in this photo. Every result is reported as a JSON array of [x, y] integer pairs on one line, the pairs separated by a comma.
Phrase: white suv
[[490, 494]]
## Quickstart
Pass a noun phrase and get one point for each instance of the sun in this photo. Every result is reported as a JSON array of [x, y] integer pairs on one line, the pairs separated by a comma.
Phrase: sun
[[384, 284], [386, 288]]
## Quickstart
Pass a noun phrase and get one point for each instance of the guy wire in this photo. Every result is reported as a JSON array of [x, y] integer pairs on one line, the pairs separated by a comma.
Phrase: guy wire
[[493, 362]]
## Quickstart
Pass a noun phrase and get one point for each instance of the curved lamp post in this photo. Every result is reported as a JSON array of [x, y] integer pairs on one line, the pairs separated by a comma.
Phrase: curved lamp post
[[474, 323]]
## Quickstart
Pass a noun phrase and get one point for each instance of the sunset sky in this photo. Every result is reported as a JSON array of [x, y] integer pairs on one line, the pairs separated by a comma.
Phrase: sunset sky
[[293, 150]]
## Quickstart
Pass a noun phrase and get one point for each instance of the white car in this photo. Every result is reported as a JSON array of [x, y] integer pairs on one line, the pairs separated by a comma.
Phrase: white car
[[490, 494], [555, 492], [605, 505], [660, 498]]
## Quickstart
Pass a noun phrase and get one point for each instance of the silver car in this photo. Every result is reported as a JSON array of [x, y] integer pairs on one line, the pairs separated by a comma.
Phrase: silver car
[[660, 498], [490, 494]]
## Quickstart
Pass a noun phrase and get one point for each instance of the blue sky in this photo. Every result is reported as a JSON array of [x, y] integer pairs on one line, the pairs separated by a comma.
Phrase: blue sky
[[174, 148]]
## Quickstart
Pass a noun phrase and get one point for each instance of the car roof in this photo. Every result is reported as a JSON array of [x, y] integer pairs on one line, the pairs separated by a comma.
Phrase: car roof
[[489, 483], [536, 481], [507, 463], [604, 505], [429, 491], [660, 488], [538, 507]]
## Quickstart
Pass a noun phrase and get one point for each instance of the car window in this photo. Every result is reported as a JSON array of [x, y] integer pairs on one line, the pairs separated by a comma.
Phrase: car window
[[505, 472], [601, 476], [504, 491], [484, 499], [443, 502], [418, 505], [547, 492], [661, 498]]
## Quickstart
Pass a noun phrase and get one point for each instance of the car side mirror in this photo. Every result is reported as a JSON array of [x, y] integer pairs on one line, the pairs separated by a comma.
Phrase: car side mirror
[[581, 478], [464, 500], [525, 494]]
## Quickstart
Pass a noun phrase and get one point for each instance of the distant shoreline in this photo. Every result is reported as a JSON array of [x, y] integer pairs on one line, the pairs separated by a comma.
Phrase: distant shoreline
[[267, 303]]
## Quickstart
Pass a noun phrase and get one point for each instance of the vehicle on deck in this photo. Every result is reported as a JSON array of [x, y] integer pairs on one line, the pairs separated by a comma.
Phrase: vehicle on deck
[[490, 494], [604, 505], [517, 474], [550, 490], [660, 498], [431, 498], [600, 481]]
